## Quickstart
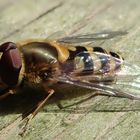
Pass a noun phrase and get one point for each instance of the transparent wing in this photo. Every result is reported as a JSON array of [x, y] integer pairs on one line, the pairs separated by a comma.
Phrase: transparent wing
[[56, 35], [92, 37], [125, 82], [104, 89]]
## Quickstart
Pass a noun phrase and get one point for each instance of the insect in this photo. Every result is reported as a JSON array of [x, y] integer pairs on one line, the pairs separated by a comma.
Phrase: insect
[[48, 62]]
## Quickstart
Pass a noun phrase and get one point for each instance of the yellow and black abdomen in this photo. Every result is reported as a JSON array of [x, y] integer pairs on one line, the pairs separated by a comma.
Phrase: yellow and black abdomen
[[95, 61]]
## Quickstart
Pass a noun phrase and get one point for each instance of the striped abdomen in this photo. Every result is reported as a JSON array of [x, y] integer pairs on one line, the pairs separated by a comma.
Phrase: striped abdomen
[[96, 61]]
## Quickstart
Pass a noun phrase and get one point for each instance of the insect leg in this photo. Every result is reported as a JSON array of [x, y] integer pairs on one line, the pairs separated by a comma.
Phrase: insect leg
[[60, 106], [51, 92], [32, 115], [5, 93], [126, 95]]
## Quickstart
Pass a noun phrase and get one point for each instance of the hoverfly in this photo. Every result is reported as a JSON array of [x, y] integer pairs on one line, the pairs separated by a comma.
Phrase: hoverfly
[[47, 62]]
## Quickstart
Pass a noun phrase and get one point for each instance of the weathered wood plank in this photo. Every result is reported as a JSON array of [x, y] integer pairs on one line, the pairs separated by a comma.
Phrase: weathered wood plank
[[99, 117], [5, 4], [23, 13], [61, 21]]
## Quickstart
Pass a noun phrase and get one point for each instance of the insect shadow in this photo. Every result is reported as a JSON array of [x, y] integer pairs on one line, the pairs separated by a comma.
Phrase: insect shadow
[[25, 101]]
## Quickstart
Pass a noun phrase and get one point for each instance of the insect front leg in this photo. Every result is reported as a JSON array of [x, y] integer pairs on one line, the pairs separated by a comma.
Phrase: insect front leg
[[5, 93]]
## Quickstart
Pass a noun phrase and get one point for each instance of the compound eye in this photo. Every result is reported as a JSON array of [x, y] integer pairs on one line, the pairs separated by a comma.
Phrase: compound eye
[[7, 46], [10, 63]]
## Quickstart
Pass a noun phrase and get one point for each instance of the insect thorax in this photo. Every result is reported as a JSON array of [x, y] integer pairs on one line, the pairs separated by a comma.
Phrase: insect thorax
[[40, 61]]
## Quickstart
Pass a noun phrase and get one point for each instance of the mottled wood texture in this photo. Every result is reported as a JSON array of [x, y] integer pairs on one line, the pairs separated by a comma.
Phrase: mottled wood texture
[[98, 118]]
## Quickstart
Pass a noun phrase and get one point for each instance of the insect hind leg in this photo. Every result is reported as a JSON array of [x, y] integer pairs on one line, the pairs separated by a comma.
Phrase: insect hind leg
[[126, 95], [117, 93]]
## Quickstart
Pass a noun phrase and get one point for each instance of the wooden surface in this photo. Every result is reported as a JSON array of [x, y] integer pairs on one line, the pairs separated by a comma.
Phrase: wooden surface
[[98, 118]]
